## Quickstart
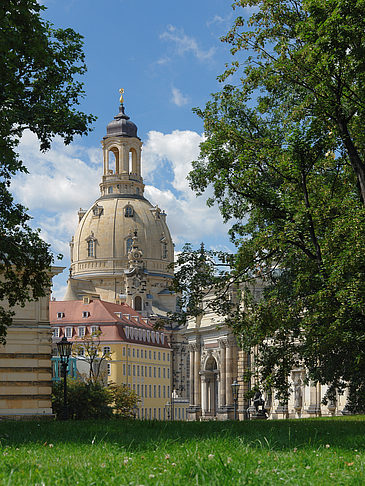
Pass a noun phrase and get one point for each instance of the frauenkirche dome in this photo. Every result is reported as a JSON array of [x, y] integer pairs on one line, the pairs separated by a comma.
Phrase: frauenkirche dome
[[122, 247]]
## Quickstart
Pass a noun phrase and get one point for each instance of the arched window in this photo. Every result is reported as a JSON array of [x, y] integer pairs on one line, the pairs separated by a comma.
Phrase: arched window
[[138, 303], [164, 249], [128, 211], [91, 248], [128, 245], [110, 190]]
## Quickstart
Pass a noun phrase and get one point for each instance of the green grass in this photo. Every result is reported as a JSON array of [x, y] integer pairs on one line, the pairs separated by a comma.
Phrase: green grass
[[295, 452]]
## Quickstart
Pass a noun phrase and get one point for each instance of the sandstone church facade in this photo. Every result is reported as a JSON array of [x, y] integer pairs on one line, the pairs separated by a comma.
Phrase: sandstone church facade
[[122, 249], [122, 253]]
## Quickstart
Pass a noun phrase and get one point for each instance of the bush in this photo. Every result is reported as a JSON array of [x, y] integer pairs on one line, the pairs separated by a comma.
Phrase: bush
[[124, 400], [85, 400]]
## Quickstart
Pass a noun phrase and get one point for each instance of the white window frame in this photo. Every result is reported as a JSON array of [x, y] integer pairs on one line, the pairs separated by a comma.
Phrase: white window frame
[[56, 332], [81, 331], [68, 332]]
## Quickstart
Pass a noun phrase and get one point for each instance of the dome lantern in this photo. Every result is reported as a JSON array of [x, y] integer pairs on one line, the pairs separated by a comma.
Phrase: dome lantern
[[122, 157]]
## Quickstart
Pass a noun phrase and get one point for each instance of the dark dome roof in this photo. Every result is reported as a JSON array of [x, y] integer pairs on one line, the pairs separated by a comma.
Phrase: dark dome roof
[[121, 126]]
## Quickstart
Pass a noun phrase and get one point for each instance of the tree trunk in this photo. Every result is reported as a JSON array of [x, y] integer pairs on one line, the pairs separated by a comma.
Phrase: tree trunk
[[356, 162]]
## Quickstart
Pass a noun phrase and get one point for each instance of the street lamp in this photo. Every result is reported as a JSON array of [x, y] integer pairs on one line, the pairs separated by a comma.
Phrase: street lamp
[[168, 409], [235, 387], [64, 351]]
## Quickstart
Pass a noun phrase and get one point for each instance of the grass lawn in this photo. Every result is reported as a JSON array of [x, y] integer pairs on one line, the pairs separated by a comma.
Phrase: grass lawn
[[296, 452]]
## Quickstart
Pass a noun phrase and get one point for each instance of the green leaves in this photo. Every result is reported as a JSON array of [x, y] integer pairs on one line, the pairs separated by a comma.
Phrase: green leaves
[[287, 171], [39, 89]]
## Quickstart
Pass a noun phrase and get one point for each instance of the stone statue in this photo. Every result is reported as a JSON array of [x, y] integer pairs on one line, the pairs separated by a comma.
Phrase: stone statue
[[121, 99], [298, 398], [258, 400]]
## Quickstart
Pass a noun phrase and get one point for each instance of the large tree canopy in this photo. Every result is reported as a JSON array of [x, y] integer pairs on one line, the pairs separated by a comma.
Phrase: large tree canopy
[[284, 153], [39, 88]]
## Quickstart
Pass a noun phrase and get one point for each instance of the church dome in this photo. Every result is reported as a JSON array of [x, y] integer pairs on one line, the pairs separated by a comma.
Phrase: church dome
[[121, 126], [122, 248], [105, 235]]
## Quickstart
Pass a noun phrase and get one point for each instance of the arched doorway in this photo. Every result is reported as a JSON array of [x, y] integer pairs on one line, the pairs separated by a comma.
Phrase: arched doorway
[[138, 303], [210, 388]]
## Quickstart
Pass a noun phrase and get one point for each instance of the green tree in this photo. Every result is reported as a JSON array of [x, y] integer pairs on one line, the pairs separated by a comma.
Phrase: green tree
[[285, 174], [125, 400], [85, 400], [307, 56], [92, 351], [39, 88]]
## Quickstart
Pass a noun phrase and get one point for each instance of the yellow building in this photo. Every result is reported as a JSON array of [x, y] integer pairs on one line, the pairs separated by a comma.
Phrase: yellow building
[[140, 356], [122, 252], [25, 362]]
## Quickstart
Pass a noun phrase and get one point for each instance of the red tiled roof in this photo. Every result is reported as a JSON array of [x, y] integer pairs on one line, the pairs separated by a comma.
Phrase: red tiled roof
[[111, 318]]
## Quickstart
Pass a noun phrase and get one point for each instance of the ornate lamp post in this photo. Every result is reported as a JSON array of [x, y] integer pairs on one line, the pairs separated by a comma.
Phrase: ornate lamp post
[[235, 387], [168, 409], [64, 351]]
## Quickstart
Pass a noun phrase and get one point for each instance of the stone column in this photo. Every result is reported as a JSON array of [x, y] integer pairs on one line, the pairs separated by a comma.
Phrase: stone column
[[197, 392], [314, 403], [229, 352], [124, 159], [222, 374], [106, 161], [204, 402], [191, 375], [139, 162]]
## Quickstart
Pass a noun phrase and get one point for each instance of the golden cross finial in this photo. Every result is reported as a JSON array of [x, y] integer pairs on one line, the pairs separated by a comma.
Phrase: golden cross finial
[[121, 99]]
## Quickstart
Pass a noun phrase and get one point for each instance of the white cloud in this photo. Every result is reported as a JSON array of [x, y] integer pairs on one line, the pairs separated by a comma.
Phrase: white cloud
[[66, 178], [163, 60], [178, 98], [217, 19], [184, 43], [189, 218]]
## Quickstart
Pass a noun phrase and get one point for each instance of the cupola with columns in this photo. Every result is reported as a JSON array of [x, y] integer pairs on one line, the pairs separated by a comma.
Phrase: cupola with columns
[[122, 248], [122, 157]]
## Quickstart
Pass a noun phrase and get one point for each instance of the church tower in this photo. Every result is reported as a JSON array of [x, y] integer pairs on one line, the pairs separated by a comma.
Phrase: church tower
[[122, 248]]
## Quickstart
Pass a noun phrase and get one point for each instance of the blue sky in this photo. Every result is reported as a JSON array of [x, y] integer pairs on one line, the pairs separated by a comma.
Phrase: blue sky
[[167, 56]]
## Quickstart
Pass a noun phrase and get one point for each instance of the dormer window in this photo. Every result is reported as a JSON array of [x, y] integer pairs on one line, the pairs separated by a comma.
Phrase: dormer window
[[60, 315], [85, 314], [97, 210], [128, 211]]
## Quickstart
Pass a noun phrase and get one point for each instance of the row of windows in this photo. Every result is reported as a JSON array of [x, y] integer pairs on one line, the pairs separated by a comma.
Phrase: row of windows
[[160, 414], [141, 370], [71, 332], [140, 352], [144, 335], [61, 315], [152, 391], [91, 247]]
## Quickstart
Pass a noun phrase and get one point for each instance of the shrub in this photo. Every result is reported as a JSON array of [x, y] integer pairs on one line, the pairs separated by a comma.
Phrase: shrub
[[124, 400], [85, 400]]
